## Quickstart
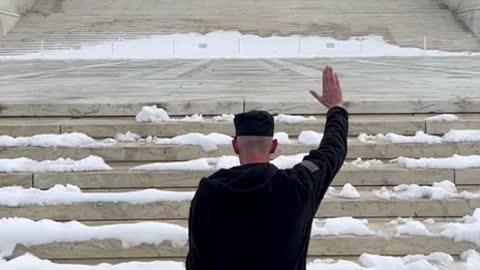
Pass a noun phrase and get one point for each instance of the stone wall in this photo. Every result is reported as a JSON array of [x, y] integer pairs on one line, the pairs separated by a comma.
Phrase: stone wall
[[468, 11], [11, 11]]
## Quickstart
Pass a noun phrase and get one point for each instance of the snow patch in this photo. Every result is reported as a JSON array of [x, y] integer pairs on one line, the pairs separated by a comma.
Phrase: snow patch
[[341, 226], [208, 142], [127, 137], [28, 232], [411, 227], [349, 191], [442, 118], [454, 162], [293, 119], [310, 137], [453, 136], [91, 163], [365, 164], [74, 139], [70, 194], [468, 231], [282, 138], [224, 118], [150, 114], [232, 44], [438, 191]]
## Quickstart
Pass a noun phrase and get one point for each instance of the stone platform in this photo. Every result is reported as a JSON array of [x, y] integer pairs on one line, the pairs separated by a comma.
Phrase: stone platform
[[121, 87]]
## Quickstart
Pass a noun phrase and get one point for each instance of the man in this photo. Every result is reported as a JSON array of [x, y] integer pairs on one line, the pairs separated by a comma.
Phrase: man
[[256, 216]]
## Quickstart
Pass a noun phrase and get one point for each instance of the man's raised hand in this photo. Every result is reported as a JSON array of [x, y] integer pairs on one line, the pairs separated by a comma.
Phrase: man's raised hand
[[332, 93]]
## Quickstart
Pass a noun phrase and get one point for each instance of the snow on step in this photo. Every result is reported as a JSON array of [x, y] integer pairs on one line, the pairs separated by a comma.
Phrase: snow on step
[[341, 226], [27, 232], [226, 162], [468, 231], [153, 114], [69, 194], [454, 162], [438, 191], [442, 118], [453, 136], [433, 261], [73, 139], [91, 163]]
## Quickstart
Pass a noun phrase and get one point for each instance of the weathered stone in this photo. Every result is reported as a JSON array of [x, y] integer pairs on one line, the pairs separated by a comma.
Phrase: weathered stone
[[387, 175], [16, 179], [367, 206], [153, 152], [467, 177]]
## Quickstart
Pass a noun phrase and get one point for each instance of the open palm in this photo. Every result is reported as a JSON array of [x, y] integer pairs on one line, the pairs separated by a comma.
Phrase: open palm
[[332, 93]]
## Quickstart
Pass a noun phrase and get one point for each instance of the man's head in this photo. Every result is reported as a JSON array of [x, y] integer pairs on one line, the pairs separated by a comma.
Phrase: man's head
[[253, 140]]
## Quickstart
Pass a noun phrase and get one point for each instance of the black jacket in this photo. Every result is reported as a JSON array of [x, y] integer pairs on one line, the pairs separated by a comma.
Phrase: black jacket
[[259, 217]]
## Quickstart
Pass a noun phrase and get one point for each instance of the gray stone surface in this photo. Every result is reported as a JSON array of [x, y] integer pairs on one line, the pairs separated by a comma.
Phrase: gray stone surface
[[468, 11], [68, 24], [155, 152], [121, 178], [367, 206], [319, 246], [16, 179], [102, 87]]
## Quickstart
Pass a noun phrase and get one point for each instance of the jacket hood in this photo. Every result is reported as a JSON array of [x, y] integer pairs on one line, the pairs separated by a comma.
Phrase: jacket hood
[[245, 178]]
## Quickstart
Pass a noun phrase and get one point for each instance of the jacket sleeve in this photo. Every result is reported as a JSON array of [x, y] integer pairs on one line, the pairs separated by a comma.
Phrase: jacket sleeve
[[320, 166], [198, 257]]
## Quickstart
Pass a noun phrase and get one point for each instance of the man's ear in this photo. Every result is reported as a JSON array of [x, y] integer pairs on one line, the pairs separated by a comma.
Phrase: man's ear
[[235, 145], [274, 146]]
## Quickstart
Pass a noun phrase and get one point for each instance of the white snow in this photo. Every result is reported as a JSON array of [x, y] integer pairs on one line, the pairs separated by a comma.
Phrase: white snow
[[282, 138], [411, 227], [442, 118], [91, 163], [310, 137], [127, 137], [223, 162], [349, 191], [459, 136], [472, 259], [28, 232], [341, 226], [200, 164], [287, 162], [293, 119], [30, 262], [365, 164], [468, 231], [438, 191], [454, 162], [453, 136], [70, 194], [366, 262], [208, 142], [224, 118], [150, 114], [420, 137], [193, 118], [74, 139], [230, 44], [411, 262]]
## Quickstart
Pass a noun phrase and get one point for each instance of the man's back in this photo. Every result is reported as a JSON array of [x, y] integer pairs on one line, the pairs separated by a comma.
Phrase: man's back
[[256, 216]]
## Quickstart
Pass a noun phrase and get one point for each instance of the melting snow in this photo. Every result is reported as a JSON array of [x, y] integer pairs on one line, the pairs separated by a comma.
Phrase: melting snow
[[91, 163], [442, 118], [468, 231], [349, 191], [74, 139], [70, 194], [28, 232], [310, 137], [341, 226], [293, 119], [453, 136], [454, 162]]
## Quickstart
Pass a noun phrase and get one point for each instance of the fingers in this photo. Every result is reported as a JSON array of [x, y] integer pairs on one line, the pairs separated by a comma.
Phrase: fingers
[[316, 95], [337, 82]]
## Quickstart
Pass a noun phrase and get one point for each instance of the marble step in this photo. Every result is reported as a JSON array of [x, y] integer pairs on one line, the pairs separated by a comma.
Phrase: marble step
[[100, 127], [112, 250], [366, 206], [155, 152], [122, 178]]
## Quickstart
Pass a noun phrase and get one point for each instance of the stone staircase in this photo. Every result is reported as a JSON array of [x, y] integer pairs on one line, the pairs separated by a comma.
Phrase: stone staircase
[[67, 24], [124, 156]]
